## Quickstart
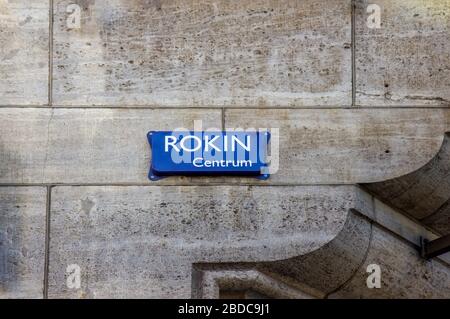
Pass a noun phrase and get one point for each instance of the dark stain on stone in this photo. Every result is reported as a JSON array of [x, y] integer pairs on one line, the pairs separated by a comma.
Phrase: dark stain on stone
[[87, 205], [153, 3], [27, 19], [85, 4]]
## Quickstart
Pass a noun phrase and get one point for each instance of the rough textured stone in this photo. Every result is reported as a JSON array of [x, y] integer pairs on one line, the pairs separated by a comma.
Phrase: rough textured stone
[[85, 146], [336, 270], [24, 46], [317, 146], [407, 60], [329, 267], [423, 194], [142, 241], [182, 241], [216, 240], [402, 225], [397, 222], [22, 241], [403, 273], [240, 282], [348, 146], [178, 52], [440, 220]]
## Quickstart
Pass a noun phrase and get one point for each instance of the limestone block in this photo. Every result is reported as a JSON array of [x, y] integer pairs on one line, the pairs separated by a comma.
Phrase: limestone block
[[339, 269], [85, 145], [329, 267], [425, 193], [22, 241], [203, 53], [407, 60], [348, 146], [440, 220], [404, 274], [200, 241], [240, 282], [24, 52], [142, 241], [316, 146]]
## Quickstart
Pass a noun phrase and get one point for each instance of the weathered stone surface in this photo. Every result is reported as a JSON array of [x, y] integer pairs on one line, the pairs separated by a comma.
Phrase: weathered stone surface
[[85, 146], [348, 146], [440, 220], [209, 241], [407, 60], [329, 267], [398, 223], [24, 46], [337, 269], [178, 52], [22, 241], [423, 194], [142, 241], [240, 282], [403, 273], [317, 146]]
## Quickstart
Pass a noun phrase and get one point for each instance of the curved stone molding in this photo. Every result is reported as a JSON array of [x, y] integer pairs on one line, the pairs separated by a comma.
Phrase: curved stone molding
[[179, 242], [329, 267], [350, 146], [211, 282], [314, 274], [317, 147], [404, 274], [423, 194], [103, 229], [337, 270]]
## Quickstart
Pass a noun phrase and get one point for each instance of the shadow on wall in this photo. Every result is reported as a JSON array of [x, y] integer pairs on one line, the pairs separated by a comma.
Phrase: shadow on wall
[[423, 194], [313, 275]]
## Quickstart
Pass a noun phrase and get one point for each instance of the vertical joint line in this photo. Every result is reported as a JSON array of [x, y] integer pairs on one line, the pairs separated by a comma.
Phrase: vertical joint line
[[47, 240], [353, 39], [223, 119], [50, 53]]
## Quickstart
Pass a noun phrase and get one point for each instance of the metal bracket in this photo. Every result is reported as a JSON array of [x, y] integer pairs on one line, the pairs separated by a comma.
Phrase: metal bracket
[[434, 248]]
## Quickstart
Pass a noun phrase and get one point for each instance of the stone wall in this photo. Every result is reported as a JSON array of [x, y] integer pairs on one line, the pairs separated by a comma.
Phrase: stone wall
[[354, 104]]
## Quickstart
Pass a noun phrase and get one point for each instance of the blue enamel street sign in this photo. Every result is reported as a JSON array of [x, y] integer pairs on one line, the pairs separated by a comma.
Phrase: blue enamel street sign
[[208, 153]]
